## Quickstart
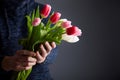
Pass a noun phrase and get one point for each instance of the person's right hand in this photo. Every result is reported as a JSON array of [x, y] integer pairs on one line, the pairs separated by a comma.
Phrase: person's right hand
[[22, 60]]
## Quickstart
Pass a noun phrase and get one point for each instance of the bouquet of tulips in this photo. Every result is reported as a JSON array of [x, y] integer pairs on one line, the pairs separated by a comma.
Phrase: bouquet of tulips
[[55, 30]]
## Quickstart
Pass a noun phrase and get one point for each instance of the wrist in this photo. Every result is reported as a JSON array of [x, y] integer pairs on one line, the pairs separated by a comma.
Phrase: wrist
[[6, 63]]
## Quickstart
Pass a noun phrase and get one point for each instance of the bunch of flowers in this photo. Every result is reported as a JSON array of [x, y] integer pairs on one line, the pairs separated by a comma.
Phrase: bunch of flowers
[[55, 30]]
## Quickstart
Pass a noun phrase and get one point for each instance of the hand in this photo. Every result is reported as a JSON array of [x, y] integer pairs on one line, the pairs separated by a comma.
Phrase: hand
[[22, 60], [45, 50]]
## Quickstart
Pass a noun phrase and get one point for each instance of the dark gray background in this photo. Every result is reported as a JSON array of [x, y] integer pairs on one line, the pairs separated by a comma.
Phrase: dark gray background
[[97, 55]]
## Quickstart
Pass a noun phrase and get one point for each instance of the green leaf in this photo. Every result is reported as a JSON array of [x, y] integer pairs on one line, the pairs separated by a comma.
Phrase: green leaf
[[22, 42], [29, 26], [35, 36], [37, 12], [43, 33], [22, 75], [33, 15], [27, 72], [42, 26]]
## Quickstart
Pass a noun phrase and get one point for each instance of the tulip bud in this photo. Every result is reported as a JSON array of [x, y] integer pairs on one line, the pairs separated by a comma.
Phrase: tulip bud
[[45, 11], [66, 24], [36, 21], [74, 31], [55, 17]]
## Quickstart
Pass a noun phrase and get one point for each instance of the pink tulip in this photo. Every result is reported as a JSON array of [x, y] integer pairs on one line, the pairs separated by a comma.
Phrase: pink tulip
[[55, 17], [66, 24], [74, 31], [45, 11], [36, 21]]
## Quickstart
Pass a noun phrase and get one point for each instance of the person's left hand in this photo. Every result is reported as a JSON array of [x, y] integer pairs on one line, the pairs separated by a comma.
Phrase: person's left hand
[[45, 50]]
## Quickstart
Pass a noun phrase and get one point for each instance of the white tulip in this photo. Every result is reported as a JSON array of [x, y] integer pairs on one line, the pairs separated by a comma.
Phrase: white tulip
[[70, 38], [63, 20]]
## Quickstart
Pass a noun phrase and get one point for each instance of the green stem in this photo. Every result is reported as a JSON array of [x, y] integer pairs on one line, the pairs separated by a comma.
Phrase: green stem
[[48, 24]]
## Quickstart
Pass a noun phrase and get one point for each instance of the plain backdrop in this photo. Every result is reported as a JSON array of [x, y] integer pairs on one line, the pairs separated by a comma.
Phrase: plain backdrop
[[97, 55]]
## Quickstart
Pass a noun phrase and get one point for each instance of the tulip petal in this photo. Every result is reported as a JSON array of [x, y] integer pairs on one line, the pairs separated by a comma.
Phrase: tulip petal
[[55, 17], [66, 24], [36, 21], [70, 38], [45, 11], [74, 30], [63, 20]]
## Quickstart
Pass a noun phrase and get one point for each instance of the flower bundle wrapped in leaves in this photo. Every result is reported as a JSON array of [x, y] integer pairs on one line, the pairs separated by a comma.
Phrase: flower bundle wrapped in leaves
[[55, 30]]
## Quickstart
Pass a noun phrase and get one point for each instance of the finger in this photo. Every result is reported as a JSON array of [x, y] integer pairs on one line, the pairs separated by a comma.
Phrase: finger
[[23, 66], [25, 53], [27, 59], [40, 59], [31, 59], [27, 68], [38, 56], [53, 45], [19, 68], [48, 47], [27, 64], [28, 53], [43, 51]]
